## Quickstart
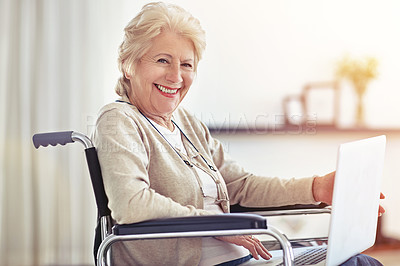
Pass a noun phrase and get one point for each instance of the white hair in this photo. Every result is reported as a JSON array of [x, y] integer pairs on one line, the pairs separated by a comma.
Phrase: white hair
[[148, 24]]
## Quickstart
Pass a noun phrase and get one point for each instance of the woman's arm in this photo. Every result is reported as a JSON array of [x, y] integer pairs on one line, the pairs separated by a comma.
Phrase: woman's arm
[[251, 190]]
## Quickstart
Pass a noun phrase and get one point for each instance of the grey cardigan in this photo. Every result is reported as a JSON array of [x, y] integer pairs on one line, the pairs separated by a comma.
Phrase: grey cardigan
[[145, 179]]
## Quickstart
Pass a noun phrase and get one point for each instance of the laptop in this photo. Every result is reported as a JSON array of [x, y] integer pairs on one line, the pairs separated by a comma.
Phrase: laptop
[[355, 204]]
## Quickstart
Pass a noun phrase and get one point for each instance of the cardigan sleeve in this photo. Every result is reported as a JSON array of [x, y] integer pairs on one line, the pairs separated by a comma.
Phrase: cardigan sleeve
[[123, 155], [251, 190]]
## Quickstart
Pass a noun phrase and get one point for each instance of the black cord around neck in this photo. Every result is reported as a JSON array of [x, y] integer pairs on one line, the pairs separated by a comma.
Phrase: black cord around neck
[[183, 133]]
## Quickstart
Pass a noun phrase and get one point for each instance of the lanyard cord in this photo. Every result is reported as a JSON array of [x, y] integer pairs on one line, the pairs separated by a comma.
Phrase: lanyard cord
[[185, 161], [204, 159]]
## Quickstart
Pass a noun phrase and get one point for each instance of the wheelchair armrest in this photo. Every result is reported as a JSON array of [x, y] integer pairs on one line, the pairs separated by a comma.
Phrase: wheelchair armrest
[[193, 224], [296, 209]]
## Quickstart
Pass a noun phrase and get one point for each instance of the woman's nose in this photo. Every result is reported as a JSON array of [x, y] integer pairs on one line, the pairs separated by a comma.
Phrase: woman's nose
[[174, 74]]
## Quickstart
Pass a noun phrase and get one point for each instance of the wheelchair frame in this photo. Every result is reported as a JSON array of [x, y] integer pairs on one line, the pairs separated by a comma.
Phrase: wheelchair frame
[[177, 227]]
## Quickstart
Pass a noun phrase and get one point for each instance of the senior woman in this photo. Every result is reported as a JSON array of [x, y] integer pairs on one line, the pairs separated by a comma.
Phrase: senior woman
[[159, 161]]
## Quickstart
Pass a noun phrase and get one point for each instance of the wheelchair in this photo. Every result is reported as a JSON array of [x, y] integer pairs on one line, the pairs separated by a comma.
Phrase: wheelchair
[[253, 221]]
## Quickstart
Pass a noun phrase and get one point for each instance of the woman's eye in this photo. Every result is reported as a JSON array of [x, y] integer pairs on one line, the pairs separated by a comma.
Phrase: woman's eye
[[162, 60], [187, 65]]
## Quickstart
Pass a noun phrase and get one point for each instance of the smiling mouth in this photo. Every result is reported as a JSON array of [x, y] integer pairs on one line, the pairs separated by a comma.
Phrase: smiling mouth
[[166, 90]]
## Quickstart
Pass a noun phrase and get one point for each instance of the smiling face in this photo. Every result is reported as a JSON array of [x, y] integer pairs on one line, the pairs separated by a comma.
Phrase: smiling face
[[163, 76]]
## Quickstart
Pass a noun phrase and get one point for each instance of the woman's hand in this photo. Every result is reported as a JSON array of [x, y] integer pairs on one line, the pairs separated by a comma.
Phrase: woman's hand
[[323, 190], [249, 242]]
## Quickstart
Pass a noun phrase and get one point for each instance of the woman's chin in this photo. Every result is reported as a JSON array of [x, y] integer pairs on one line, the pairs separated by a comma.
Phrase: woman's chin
[[167, 106]]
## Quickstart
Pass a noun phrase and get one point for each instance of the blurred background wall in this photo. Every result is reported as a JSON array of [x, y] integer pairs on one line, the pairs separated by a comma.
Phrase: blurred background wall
[[58, 67]]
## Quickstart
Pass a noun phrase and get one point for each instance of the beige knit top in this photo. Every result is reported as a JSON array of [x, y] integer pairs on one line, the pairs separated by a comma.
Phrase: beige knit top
[[145, 179]]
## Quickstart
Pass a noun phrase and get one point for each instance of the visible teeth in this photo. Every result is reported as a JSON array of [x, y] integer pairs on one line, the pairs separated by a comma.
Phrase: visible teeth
[[163, 89]]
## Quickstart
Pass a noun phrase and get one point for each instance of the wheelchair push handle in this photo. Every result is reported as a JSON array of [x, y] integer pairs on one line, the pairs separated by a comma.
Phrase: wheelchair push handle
[[62, 138], [52, 138]]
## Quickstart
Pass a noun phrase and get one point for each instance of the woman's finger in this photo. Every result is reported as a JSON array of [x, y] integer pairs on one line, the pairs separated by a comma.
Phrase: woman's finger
[[249, 244], [381, 211], [252, 244], [263, 251], [255, 245]]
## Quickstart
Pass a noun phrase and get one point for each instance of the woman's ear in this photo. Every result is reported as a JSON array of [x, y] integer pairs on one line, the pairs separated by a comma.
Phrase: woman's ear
[[127, 75]]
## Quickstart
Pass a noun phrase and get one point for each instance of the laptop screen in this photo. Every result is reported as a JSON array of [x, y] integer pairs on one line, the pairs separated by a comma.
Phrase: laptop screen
[[356, 198]]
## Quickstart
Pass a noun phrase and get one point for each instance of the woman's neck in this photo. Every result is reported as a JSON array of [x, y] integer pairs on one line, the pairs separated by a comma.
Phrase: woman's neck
[[164, 121]]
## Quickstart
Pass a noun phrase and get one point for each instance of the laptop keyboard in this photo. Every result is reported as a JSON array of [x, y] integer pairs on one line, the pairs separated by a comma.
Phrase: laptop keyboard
[[310, 257]]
